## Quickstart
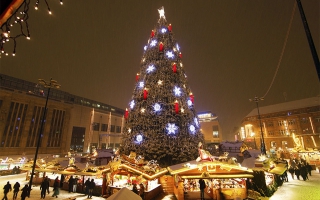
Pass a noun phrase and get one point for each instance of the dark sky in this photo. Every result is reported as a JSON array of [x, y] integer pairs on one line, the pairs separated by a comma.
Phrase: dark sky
[[230, 48]]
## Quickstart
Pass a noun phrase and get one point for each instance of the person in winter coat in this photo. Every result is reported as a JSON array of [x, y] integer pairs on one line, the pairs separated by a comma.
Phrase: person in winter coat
[[91, 187], [70, 183], [202, 187], [7, 188], [87, 184], [291, 171], [25, 192], [56, 187], [16, 189], [44, 187]]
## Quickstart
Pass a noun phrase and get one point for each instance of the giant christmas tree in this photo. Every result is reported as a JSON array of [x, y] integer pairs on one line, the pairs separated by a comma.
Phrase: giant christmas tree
[[161, 121]]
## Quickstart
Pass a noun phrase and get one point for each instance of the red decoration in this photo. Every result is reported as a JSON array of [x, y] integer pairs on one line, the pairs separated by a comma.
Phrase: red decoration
[[174, 67], [176, 107], [152, 33], [191, 97], [170, 27], [137, 77], [180, 55], [161, 46], [145, 94], [126, 114]]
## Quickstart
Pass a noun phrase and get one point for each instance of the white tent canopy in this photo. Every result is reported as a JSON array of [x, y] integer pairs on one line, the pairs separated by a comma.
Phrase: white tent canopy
[[124, 193]]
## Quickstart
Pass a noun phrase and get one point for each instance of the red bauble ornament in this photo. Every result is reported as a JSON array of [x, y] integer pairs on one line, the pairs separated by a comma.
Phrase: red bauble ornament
[[174, 67], [176, 107], [145, 94], [191, 97], [126, 114], [170, 27], [152, 33], [161, 46], [137, 77], [180, 55]]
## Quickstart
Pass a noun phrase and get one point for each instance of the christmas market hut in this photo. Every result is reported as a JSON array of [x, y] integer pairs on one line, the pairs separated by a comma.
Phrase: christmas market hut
[[220, 177], [127, 171]]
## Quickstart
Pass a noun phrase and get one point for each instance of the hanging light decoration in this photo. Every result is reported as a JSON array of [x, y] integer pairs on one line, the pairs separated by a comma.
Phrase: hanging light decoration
[[16, 14]]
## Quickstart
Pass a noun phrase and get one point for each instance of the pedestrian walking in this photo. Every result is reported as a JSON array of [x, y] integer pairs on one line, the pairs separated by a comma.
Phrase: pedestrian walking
[[297, 172], [25, 192], [70, 182], [44, 188], [141, 191], [16, 189], [48, 181], [309, 168], [91, 187], [87, 185], [7, 188], [75, 184], [202, 187], [135, 189], [56, 187], [291, 171]]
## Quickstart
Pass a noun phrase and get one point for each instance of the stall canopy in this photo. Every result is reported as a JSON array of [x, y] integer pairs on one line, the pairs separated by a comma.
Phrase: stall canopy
[[124, 193], [215, 169], [279, 169]]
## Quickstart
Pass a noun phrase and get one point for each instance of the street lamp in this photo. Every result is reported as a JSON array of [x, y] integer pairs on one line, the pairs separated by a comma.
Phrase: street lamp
[[50, 84], [263, 147]]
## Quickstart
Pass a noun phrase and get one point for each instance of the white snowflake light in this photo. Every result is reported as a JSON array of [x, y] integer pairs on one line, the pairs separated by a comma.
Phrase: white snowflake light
[[192, 129], [141, 84], [150, 68], [163, 30], [139, 138], [160, 82], [132, 104], [182, 110], [196, 121], [153, 43], [189, 102], [171, 128], [177, 91], [143, 110], [145, 47], [170, 54], [129, 130], [178, 47], [156, 107]]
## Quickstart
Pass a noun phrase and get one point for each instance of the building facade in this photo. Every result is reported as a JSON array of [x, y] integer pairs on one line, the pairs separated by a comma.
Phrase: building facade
[[71, 123], [294, 124], [210, 128]]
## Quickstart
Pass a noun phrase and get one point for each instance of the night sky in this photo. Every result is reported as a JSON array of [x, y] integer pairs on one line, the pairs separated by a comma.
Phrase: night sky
[[230, 48]]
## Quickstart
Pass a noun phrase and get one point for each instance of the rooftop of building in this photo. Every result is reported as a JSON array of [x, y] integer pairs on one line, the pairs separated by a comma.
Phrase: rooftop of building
[[286, 106]]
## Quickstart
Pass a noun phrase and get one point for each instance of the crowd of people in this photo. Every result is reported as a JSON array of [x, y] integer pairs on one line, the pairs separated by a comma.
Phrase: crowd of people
[[45, 188], [299, 167]]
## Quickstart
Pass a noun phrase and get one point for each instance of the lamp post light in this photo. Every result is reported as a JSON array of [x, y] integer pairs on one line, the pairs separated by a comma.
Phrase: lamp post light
[[262, 144], [50, 84]]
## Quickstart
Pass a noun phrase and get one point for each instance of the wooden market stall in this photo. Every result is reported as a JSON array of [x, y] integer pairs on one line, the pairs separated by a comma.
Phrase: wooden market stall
[[230, 179], [124, 172]]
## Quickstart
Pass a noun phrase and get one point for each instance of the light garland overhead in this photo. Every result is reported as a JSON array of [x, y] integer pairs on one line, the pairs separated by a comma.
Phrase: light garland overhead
[[17, 14]]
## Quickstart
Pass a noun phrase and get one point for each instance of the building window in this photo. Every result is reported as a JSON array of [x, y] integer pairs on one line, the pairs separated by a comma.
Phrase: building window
[[304, 120], [14, 125], [306, 130], [118, 129], [113, 127], [317, 119], [282, 132], [77, 139], [281, 123], [215, 131], [104, 127], [35, 125], [269, 124], [291, 121], [273, 144], [96, 126], [56, 127], [270, 133]]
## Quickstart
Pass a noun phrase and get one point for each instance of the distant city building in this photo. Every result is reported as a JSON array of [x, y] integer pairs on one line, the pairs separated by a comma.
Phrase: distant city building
[[72, 123], [210, 127], [294, 124]]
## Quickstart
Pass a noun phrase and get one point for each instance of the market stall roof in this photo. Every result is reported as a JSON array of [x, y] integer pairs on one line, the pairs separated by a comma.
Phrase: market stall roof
[[124, 193], [208, 169], [279, 169], [117, 166]]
